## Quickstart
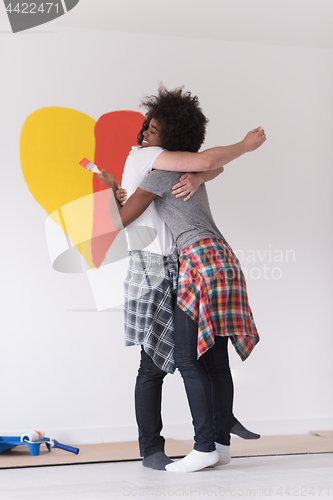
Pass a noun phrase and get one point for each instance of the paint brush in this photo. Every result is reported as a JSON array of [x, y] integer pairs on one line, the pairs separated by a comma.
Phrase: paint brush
[[89, 165]]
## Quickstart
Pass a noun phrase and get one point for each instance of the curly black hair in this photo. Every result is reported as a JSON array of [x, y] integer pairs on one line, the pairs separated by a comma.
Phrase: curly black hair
[[182, 122]]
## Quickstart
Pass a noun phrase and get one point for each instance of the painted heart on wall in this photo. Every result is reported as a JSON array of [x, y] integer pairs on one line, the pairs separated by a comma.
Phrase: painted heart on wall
[[53, 142]]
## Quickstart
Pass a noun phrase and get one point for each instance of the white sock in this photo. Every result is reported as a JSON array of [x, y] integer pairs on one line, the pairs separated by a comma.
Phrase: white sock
[[224, 454], [196, 460]]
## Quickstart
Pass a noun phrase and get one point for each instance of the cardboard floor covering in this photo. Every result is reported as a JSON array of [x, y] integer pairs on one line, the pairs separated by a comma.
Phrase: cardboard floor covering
[[314, 442]]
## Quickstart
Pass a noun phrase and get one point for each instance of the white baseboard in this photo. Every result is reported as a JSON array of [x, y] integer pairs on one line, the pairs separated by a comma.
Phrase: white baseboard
[[183, 431]]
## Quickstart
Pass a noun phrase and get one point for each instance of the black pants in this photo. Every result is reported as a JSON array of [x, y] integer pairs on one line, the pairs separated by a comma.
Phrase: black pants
[[148, 399], [208, 384]]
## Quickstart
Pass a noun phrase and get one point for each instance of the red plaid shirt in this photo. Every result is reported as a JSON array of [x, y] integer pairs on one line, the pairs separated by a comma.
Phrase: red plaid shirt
[[212, 290]]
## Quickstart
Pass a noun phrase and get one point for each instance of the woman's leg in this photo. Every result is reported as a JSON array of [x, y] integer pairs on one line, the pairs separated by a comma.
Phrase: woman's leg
[[216, 362], [197, 386], [196, 380]]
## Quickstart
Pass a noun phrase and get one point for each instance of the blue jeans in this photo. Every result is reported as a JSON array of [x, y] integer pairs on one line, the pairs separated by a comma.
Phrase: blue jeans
[[208, 384], [148, 399]]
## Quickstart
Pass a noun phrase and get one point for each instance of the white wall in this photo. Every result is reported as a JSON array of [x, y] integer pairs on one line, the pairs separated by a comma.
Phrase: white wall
[[64, 367]]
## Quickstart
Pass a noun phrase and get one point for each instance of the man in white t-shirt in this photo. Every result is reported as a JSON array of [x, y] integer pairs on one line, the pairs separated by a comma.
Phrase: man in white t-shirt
[[150, 288]]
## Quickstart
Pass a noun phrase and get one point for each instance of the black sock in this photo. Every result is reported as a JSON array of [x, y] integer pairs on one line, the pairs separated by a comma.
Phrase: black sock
[[238, 429], [157, 461]]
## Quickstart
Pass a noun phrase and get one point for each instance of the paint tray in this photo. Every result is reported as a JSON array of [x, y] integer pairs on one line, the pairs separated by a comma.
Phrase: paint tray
[[8, 442]]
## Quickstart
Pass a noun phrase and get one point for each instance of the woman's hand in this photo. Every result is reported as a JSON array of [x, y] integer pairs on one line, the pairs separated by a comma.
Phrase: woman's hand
[[107, 179], [188, 184], [121, 195]]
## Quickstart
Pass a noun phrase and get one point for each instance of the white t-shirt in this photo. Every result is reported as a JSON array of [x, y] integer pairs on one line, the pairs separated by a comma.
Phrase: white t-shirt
[[141, 232]]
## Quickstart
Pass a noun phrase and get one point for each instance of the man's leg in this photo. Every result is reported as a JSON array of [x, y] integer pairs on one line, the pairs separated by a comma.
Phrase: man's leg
[[148, 399]]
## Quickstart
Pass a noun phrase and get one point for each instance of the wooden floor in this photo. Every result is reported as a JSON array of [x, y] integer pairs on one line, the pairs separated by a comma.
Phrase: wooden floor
[[314, 442]]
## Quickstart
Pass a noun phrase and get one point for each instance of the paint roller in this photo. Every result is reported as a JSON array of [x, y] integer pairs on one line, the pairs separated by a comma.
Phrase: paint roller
[[33, 436], [53, 443], [38, 437]]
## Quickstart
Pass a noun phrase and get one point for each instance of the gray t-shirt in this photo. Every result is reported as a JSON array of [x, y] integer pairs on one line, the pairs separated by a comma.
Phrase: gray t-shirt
[[190, 221]]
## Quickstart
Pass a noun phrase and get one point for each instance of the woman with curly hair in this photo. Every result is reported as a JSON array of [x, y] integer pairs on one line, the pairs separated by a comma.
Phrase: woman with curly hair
[[212, 300]]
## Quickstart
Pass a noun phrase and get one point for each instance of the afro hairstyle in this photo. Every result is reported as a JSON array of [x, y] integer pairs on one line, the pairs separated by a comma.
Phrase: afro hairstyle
[[182, 122]]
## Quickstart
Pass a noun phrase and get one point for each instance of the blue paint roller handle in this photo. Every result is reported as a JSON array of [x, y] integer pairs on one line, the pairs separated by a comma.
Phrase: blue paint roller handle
[[56, 444]]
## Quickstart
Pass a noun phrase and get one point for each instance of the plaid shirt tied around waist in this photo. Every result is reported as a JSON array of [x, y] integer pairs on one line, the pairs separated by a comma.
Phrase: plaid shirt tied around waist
[[149, 305], [212, 290]]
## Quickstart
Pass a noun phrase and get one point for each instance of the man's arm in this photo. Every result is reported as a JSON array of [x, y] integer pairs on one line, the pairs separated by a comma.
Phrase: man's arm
[[209, 159], [189, 183], [122, 216]]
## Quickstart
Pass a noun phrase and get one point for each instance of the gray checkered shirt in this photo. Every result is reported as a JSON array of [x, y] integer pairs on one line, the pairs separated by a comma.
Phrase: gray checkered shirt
[[149, 305]]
